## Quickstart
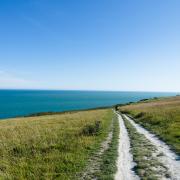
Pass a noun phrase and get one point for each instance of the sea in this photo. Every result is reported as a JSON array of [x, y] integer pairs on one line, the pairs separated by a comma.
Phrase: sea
[[15, 103]]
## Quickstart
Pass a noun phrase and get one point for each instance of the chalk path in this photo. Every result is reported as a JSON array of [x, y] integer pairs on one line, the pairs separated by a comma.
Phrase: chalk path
[[125, 160], [168, 158]]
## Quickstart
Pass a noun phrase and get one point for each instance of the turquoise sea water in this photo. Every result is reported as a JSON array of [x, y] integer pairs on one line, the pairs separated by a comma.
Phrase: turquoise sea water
[[23, 102]]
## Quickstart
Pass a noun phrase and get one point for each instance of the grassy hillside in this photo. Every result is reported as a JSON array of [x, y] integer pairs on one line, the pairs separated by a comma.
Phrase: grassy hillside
[[52, 146], [161, 116]]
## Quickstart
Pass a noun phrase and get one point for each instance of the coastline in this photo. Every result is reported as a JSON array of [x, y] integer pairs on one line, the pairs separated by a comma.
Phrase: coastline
[[85, 109]]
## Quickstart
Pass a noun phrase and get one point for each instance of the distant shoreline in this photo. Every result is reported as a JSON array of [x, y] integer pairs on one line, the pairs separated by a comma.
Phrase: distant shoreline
[[64, 112], [27, 103], [91, 109]]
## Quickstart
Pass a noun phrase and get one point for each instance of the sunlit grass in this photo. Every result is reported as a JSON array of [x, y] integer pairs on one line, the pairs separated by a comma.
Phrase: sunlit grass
[[161, 116], [48, 147], [108, 166]]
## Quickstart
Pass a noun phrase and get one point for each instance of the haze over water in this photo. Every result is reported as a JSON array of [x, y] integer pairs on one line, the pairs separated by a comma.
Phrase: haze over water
[[24, 102]]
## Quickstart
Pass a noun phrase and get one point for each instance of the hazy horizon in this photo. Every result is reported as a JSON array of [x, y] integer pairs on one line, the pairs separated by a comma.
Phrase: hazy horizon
[[90, 45], [101, 90]]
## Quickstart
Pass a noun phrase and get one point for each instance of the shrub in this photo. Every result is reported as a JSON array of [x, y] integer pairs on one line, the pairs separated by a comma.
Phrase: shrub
[[139, 115], [92, 129]]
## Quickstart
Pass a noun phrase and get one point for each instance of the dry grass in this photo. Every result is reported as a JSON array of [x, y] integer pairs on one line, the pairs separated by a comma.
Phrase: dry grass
[[49, 147], [161, 116]]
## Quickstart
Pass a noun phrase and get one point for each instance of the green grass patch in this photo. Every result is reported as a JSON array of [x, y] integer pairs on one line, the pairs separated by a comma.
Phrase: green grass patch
[[108, 166], [51, 146]]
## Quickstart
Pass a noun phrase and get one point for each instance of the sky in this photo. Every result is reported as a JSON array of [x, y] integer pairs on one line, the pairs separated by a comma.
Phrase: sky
[[118, 45]]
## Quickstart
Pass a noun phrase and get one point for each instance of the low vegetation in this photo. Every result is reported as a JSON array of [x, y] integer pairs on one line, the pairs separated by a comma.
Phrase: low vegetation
[[51, 146], [91, 129], [145, 156], [108, 166], [159, 115], [102, 164]]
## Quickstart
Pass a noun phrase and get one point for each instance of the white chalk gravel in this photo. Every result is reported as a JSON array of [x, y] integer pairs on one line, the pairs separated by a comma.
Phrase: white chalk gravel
[[168, 158], [125, 162]]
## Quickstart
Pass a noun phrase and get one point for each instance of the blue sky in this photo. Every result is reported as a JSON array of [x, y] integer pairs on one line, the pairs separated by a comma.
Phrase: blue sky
[[129, 45]]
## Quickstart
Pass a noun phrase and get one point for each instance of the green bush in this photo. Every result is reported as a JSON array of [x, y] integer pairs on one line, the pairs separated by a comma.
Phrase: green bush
[[92, 129]]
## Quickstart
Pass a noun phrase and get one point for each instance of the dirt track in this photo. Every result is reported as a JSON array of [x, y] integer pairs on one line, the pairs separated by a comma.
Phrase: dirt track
[[125, 162]]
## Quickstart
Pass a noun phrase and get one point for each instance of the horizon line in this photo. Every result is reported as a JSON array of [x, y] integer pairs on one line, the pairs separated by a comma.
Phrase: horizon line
[[94, 90]]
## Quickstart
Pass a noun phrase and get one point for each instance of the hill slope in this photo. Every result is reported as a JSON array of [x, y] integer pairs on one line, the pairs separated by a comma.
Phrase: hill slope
[[52, 146], [161, 116]]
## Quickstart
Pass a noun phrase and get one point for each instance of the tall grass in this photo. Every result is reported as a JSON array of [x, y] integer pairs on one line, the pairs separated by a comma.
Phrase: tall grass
[[49, 147], [161, 116]]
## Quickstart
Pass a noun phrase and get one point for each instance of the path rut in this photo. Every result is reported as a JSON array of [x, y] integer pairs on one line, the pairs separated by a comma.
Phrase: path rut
[[168, 158], [125, 162]]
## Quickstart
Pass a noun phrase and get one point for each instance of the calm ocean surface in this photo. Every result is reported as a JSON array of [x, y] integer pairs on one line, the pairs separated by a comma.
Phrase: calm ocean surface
[[23, 102]]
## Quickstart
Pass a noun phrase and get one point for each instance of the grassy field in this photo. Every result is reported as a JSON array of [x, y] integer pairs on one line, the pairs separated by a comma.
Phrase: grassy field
[[52, 146], [161, 116]]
